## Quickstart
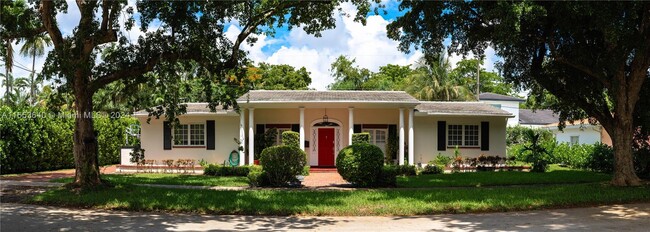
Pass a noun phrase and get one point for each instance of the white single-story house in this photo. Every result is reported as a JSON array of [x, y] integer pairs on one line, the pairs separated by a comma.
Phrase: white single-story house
[[326, 121]]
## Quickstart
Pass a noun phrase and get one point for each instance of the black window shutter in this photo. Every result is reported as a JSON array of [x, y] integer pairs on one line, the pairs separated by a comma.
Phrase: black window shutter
[[485, 136], [357, 128], [260, 128], [295, 127], [209, 126], [167, 136], [442, 135]]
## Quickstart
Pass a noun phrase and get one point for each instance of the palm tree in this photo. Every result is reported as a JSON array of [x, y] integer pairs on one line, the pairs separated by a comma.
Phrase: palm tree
[[431, 81], [35, 46]]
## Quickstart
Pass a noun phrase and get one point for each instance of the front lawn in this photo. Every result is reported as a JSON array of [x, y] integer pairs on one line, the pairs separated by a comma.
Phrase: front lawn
[[345, 203], [170, 179], [469, 179]]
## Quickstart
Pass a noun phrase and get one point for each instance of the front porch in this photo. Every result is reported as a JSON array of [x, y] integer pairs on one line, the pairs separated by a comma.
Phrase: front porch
[[326, 126]]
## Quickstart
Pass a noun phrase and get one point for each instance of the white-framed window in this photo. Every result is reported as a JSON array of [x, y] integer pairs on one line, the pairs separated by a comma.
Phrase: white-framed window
[[463, 135], [377, 136], [189, 135], [575, 140], [278, 137]]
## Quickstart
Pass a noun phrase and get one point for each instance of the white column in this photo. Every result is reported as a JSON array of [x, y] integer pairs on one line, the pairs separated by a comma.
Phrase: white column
[[400, 159], [251, 136], [411, 139], [302, 128], [242, 136], [350, 124]]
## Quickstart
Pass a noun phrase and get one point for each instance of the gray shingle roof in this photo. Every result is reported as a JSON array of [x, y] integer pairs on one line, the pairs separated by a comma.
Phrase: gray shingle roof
[[498, 97], [461, 108], [326, 96], [539, 117], [200, 107]]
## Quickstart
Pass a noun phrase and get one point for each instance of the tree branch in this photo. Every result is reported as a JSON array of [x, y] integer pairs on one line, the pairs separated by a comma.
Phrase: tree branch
[[49, 23], [134, 70], [600, 77]]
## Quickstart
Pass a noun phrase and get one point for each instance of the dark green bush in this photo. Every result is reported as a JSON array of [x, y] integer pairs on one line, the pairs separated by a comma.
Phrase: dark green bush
[[406, 170], [433, 169], [601, 159], [361, 138], [360, 164], [387, 176], [257, 177], [291, 138], [220, 170], [33, 139], [264, 139], [642, 162], [282, 164]]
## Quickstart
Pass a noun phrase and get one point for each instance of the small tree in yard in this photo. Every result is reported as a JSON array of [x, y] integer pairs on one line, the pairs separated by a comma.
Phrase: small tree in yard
[[535, 152], [593, 56], [190, 34]]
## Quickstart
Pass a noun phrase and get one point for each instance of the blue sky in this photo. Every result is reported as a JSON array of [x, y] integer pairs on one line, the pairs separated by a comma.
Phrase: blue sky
[[368, 44]]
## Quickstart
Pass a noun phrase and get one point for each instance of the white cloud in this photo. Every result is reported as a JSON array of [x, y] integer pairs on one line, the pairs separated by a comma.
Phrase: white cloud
[[368, 44]]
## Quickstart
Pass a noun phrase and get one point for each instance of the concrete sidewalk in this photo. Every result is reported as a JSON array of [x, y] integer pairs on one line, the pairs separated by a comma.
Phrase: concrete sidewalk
[[19, 217]]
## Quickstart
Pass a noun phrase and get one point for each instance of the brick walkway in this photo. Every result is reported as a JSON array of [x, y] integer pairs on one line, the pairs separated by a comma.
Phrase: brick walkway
[[324, 179], [48, 175]]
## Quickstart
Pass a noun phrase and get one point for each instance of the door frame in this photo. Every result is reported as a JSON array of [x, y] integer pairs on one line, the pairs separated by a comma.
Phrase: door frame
[[314, 139]]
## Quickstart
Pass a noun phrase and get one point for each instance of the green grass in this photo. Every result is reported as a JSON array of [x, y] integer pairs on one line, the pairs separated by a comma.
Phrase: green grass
[[170, 179], [468, 179], [345, 203]]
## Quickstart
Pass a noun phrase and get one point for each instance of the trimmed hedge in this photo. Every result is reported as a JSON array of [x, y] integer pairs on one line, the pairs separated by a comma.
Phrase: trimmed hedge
[[433, 169], [33, 139], [361, 164], [291, 138], [257, 177], [220, 170], [282, 164], [360, 138], [406, 170]]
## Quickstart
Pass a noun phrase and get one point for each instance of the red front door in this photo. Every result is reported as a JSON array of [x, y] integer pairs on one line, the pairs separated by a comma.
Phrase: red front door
[[325, 146]]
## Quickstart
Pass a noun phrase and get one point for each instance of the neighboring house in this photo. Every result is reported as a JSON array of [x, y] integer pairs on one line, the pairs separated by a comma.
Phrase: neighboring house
[[576, 132], [507, 103], [326, 121], [579, 132]]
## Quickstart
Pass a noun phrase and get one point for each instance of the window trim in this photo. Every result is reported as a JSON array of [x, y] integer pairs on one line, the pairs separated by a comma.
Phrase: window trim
[[373, 136], [189, 137], [280, 130], [462, 136]]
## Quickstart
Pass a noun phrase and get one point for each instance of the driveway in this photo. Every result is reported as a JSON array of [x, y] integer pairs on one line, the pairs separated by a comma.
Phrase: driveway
[[20, 217]]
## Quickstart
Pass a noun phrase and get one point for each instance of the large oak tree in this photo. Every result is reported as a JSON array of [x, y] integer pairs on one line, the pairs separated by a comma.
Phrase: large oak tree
[[593, 56], [177, 35]]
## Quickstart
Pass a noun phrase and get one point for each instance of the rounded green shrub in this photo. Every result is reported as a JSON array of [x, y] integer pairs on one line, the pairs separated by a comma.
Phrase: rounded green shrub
[[282, 164], [291, 138], [360, 164]]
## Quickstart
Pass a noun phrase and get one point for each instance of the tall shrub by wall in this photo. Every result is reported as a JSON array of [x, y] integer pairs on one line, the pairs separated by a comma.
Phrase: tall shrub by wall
[[34, 139]]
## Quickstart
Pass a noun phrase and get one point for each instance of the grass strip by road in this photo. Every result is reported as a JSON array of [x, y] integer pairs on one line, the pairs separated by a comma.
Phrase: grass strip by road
[[470, 179], [345, 203], [170, 179]]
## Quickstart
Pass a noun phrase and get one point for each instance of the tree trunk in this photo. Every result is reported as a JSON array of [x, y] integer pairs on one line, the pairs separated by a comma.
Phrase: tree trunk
[[85, 140], [624, 174]]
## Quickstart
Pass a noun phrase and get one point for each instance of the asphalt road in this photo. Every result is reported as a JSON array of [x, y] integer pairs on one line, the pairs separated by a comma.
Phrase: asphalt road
[[20, 217]]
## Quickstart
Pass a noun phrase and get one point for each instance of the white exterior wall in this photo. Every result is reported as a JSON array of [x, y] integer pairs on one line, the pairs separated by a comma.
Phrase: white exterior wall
[[426, 137], [589, 134], [339, 115], [226, 128], [510, 106]]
